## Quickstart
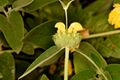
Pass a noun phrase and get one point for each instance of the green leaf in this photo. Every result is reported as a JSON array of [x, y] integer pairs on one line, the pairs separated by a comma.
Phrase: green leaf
[[28, 49], [85, 75], [98, 6], [46, 58], [99, 23], [107, 74], [37, 4], [3, 3], [80, 63], [109, 47], [13, 30], [2, 41], [116, 1], [44, 77], [95, 6], [98, 64], [21, 3], [16, 31], [41, 36], [90, 51], [11, 1], [7, 66], [53, 11], [114, 70]]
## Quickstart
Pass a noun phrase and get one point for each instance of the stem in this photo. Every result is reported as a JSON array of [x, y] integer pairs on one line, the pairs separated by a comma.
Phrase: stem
[[6, 14], [8, 51], [66, 63], [66, 18], [102, 34], [93, 64], [66, 15], [65, 7]]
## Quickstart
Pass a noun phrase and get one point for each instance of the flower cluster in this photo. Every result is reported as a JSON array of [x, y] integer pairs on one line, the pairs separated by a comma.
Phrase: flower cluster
[[114, 16], [68, 37]]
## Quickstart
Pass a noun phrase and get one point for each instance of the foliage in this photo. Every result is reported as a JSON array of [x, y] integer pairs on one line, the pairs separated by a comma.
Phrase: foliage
[[27, 49]]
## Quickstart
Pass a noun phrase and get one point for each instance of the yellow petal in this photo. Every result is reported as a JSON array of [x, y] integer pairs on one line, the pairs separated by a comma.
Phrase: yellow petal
[[72, 49], [117, 25], [74, 27], [116, 5], [117, 22], [114, 16], [60, 26]]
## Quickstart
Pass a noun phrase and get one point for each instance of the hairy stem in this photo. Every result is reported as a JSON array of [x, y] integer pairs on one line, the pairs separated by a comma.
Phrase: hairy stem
[[102, 34], [6, 14], [66, 63], [65, 7], [66, 18]]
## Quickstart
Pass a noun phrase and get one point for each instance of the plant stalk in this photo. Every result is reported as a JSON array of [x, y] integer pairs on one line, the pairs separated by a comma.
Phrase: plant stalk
[[65, 7], [66, 18], [102, 34], [66, 63], [6, 14]]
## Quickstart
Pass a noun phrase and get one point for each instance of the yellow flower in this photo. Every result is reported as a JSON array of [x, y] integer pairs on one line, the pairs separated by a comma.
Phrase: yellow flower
[[116, 5], [75, 27], [68, 37], [60, 26], [114, 16]]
